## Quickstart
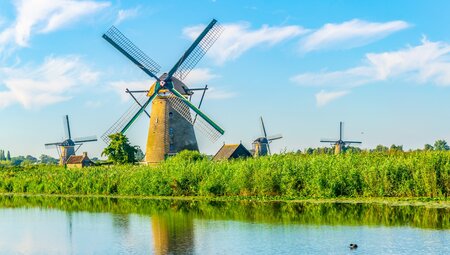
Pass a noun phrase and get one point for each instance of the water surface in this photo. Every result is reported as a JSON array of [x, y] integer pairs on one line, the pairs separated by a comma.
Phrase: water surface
[[52, 225]]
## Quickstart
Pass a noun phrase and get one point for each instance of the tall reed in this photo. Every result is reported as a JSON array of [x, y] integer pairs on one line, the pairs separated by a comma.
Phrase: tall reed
[[402, 174]]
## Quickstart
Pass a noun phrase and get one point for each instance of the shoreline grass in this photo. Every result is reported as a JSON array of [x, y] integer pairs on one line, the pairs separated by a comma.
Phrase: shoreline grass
[[418, 175]]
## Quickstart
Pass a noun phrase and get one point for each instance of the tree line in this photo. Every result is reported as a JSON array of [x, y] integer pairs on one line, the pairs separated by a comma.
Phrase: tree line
[[7, 159], [439, 145]]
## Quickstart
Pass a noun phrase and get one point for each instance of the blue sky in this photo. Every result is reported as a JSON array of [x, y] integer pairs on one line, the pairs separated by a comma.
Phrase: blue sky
[[382, 67]]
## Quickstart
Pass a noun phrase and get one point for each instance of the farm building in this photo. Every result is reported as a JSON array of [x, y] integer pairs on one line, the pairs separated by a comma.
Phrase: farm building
[[79, 161], [230, 151]]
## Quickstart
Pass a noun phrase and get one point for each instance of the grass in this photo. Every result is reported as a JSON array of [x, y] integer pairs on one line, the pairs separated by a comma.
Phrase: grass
[[423, 175]]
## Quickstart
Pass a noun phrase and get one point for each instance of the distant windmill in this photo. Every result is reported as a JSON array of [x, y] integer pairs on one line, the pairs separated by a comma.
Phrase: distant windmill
[[340, 144], [171, 127], [69, 146], [261, 145]]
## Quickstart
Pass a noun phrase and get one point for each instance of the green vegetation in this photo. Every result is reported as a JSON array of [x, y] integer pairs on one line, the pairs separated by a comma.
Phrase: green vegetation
[[120, 151], [290, 176], [7, 160]]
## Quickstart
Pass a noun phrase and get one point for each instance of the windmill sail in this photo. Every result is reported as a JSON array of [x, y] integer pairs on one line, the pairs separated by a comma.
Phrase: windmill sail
[[85, 139], [50, 145], [198, 49], [133, 53], [126, 117], [180, 105], [274, 137], [67, 127], [180, 70]]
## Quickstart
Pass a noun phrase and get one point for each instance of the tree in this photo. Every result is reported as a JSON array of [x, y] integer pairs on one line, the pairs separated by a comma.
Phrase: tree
[[46, 159], [381, 148], [428, 147], [441, 145], [396, 148], [8, 156], [139, 155], [15, 161], [309, 151], [119, 150], [351, 149]]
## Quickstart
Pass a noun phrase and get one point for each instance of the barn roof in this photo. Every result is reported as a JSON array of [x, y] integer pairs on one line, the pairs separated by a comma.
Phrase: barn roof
[[227, 151], [75, 159]]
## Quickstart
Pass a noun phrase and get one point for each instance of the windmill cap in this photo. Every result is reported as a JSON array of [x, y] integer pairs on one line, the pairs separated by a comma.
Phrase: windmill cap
[[261, 140], [68, 142], [178, 85]]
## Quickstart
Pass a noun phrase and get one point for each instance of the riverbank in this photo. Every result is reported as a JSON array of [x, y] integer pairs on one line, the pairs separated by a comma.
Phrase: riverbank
[[414, 175], [390, 201]]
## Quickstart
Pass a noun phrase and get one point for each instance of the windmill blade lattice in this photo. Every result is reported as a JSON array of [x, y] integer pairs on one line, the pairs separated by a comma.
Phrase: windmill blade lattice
[[200, 124], [131, 51], [120, 124], [274, 137], [198, 52], [84, 139], [51, 145], [67, 127]]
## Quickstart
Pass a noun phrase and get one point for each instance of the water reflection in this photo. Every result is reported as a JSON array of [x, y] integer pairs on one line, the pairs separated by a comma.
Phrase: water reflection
[[172, 234], [353, 214], [52, 225]]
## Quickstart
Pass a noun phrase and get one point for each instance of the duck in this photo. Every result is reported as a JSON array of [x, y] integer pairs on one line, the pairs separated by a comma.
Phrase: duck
[[353, 246]]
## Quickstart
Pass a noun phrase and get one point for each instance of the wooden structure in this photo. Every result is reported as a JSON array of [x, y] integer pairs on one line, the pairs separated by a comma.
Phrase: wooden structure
[[231, 151]]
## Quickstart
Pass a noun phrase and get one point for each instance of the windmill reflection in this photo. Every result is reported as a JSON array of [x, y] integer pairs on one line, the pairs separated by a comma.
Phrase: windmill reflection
[[172, 233]]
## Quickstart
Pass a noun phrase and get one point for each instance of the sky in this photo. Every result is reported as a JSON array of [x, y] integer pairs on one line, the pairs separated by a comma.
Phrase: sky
[[381, 67]]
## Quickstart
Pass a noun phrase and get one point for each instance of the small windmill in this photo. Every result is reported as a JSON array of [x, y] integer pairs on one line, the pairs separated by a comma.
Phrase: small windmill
[[69, 146], [340, 144], [261, 145], [171, 123]]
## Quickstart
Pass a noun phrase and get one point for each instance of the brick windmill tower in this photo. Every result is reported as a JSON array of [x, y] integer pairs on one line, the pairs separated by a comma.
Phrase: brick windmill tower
[[173, 116]]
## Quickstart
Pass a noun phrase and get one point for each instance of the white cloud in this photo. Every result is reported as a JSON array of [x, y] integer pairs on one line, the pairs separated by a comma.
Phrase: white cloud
[[428, 62], [350, 34], [56, 80], [238, 38], [43, 16], [125, 14], [323, 97], [352, 77], [199, 76]]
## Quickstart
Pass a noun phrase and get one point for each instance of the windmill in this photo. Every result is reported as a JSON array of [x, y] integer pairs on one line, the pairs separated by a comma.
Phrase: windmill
[[171, 124], [340, 144], [69, 146], [261, 144]]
